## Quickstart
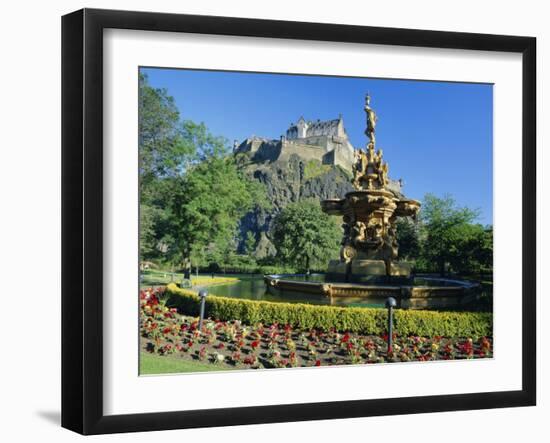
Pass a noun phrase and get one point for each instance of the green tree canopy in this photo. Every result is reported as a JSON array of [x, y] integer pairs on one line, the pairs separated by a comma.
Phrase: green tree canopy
[[168, 145], [474, 250], [408, 238], [250, 243], [191, 194], [207, 203], [161, 145], [305, 236], [445, 227]]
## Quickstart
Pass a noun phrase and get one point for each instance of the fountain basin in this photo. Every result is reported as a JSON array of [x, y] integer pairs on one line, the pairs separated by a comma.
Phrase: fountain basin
[[417, 293]]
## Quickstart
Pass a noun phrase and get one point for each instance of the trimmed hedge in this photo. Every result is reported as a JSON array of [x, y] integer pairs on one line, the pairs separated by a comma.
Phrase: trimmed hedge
[[361, 320]]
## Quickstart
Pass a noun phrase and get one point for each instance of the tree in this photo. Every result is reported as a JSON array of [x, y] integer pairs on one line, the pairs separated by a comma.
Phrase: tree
[[250, 243], [168, 145], [147, 239], [408, 238], [169, 149], [161, 144], [474, 251], [207, 203], [445, 226], [304, 235]]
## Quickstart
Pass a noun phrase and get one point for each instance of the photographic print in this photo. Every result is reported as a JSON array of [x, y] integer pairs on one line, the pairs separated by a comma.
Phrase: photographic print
[[304, 221]]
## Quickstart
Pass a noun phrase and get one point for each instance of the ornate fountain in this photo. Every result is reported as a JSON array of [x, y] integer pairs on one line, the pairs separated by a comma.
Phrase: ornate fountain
[[368, 267], [369, 247]]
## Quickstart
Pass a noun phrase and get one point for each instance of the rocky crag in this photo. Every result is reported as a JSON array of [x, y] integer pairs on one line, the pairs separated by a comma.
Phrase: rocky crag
[[288, 179]]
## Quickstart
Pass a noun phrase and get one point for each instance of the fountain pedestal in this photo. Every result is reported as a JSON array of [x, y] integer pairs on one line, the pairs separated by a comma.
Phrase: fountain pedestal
[[367, 270]]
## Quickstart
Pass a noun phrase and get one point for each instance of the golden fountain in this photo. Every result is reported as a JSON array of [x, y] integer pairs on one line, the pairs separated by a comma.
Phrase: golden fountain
[[369, 246], [368, 268]]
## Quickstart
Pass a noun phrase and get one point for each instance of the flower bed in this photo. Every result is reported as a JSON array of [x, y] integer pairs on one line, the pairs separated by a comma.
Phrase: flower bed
[[359, 320], [164, 331]]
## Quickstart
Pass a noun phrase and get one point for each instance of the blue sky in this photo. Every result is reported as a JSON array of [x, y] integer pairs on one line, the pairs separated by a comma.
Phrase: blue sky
[[436, 136]]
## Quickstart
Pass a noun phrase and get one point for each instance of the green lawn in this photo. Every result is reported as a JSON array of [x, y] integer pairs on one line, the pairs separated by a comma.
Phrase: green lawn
[[159, 278], [156, 364]]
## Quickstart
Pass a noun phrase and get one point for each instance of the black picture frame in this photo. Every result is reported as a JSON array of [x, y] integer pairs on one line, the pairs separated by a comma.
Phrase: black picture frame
[[82, 218]]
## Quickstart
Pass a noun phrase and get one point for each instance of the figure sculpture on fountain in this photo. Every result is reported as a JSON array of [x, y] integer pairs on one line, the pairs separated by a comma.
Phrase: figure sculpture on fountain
[[369, 246], [372, 118]]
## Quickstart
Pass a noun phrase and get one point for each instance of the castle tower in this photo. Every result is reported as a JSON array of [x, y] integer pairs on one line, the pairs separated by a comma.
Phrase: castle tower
[[302, 127]]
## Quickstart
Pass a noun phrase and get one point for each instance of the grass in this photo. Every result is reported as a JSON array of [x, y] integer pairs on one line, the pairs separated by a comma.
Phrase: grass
[[157, 278], [206, 280], [315, 168], [155, 364]]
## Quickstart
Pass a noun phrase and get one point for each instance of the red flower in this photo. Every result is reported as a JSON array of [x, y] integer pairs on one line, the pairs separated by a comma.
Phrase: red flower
[[317, 362], [485, 344], [255, 344], [166, 330], [202, 352], [346, 337]]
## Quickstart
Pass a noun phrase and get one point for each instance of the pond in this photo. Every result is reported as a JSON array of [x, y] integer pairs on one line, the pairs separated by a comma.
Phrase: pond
[[252, 287]]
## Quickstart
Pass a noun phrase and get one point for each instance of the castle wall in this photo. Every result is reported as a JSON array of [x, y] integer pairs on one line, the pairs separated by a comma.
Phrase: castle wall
[[343, 157], [321, 141], [259, 149], [307, 152], [268, 151], [330, 150]]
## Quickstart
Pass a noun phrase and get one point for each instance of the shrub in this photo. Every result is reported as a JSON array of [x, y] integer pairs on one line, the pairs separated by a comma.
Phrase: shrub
[[253, 268], [360, 320]]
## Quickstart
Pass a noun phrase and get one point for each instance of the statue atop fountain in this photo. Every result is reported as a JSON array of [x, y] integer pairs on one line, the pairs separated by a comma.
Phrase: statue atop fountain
[[369, 246]]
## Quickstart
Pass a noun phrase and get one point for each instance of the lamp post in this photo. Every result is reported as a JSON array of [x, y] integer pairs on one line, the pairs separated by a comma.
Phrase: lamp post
[[390, 304], [202, 294]]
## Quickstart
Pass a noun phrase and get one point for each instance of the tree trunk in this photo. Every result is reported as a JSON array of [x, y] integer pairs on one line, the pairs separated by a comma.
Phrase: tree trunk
[[442, 267], [186, 266]]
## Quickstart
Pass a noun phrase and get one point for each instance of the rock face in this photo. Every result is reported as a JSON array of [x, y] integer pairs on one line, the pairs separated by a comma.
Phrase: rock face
[[287, 180]]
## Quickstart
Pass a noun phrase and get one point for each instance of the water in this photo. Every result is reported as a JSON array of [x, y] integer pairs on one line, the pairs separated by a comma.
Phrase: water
[[252, 287]]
